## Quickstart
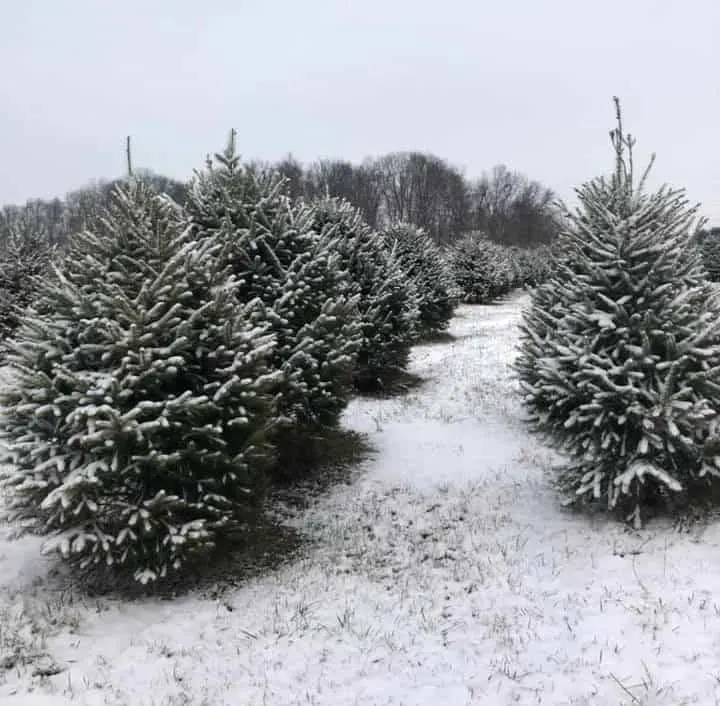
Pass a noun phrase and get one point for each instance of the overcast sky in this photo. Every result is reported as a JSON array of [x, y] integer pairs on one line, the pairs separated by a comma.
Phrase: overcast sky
[[527, 83]]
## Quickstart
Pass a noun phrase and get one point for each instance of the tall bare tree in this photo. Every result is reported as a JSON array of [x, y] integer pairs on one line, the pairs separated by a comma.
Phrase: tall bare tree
[[512, 209], [357, 183], [424, 190]]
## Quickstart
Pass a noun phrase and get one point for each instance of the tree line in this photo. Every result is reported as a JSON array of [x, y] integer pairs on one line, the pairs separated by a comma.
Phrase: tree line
[[411, 187], [432, 194]]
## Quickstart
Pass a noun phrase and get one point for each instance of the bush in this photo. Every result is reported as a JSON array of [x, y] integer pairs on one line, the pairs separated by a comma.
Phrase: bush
[[386, 303], [423, 263], [138, 416], [619, 359]]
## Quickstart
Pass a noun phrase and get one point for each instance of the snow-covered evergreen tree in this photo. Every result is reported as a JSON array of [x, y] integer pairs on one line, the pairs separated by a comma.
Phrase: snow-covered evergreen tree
[[521, 264], [278, 257], [25, 253], [710, 250], [386, 300], [532, 265], [455, 292], [424, 266], [619, 360], [483, 270], [137, 420]]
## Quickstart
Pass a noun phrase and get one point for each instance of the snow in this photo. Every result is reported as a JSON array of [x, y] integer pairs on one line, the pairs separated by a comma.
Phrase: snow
[[448, 573]]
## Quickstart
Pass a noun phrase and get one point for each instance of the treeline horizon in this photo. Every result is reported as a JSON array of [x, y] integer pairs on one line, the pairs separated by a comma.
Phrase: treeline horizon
[[411, 187]]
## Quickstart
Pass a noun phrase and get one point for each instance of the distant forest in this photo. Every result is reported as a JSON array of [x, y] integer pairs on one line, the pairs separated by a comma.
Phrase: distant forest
[[411, 187]]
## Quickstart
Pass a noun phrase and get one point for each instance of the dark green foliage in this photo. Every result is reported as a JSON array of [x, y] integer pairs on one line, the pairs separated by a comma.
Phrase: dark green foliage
[[483, 270], [619, 362], [710, 250], [532, 266], [423, 262], [278, 258], [25, 255], [139, 409], [386, 302]]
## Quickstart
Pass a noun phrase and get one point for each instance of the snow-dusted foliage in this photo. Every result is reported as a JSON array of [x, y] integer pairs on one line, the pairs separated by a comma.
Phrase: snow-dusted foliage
[[278, 257], [424, 266], [386, 300], [532, 266], [619, 360], [482, 269], [455, 292], [25, 254], [710, 250], [137, 418]]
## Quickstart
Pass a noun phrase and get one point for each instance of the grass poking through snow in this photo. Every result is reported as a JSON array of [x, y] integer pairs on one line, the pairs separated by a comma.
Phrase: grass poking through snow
[[442, 570]]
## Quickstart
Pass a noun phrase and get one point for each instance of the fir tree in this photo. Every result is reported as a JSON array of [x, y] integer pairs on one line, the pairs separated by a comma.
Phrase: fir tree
[[710, 250], [533, 265], [386, 302], [138, 416], [455, 291], [278, 258], [424, 266], [25, 254], [619, 359], [483, 270]]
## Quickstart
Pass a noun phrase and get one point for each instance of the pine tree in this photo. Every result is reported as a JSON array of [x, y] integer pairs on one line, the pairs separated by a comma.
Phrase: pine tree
[[138, 416], [386, 302], [424, 266], [534, 265], [483, 270], [25, 254], [278, 258], [710, 250], [619, 359], [455, 292]]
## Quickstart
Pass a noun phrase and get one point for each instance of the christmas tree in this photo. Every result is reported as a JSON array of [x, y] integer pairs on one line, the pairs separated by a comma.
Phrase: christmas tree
[[25, 254], [278, 258], [710, 250], [386, 302], [482, 269], [425, 267], [619, 359], [532, 265], [137, 420]]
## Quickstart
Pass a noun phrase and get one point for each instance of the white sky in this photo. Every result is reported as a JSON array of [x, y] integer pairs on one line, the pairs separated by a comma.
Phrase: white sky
[[528, 83]]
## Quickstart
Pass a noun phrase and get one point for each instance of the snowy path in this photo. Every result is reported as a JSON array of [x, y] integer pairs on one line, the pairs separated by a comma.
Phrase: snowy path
[[448, 574]]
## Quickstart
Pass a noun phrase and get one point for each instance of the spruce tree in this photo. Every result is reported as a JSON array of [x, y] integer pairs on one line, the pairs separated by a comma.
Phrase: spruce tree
[[619, 360], [277, 257], [25, 254], [483, 270], [424, 266], [386, 302], [710, 250], [455, 292], [533, 265], [137, 420]]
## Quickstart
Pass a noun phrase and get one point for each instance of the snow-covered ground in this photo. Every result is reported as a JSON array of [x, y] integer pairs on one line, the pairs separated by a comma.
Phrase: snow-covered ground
[[447, 574]]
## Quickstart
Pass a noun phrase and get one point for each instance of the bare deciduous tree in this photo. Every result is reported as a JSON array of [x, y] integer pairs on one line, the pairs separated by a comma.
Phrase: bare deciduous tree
[[358, 184], [512, 209], [424, 190]]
